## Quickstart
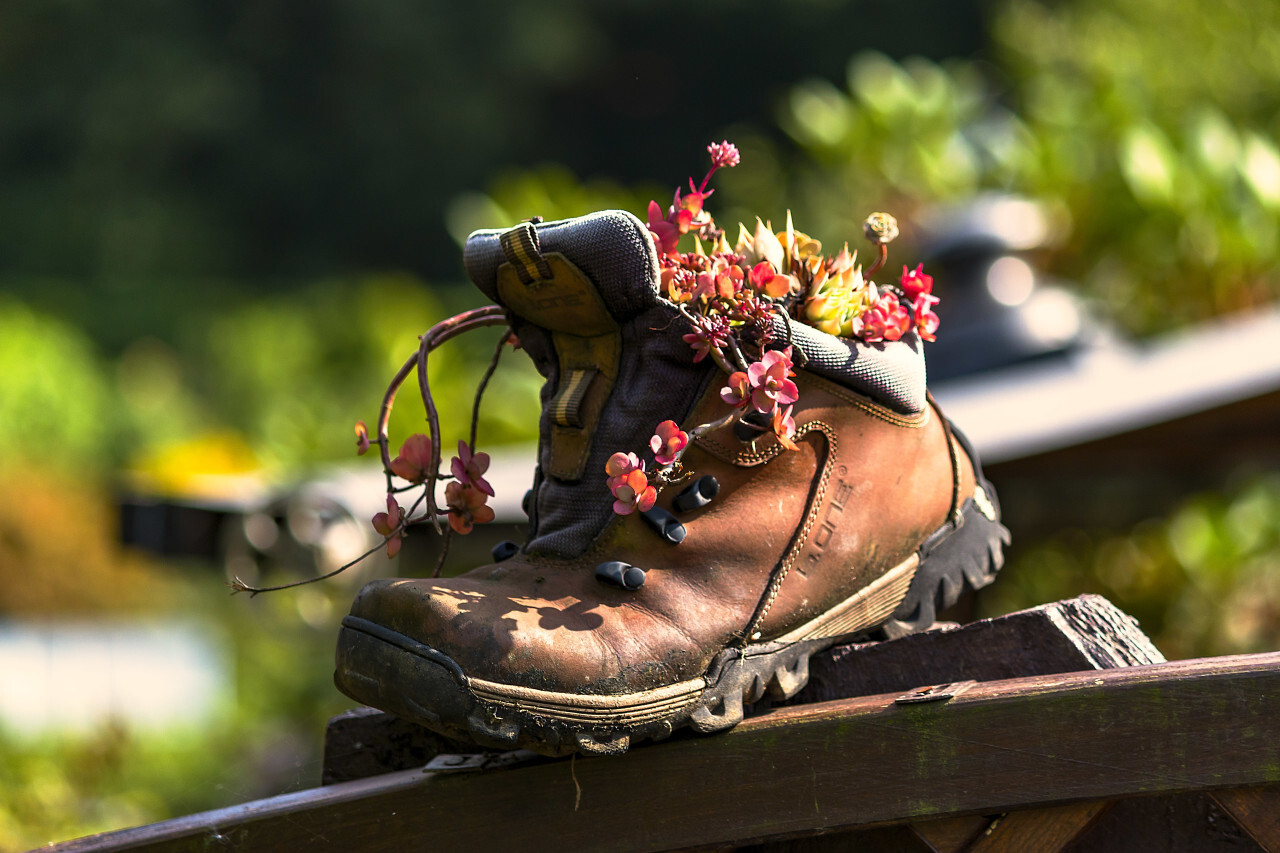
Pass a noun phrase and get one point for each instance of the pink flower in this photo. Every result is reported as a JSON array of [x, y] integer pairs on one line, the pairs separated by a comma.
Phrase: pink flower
[[708, 332], [724, 155], [391, 525], [887, 320], [466, 506], [633, 493], [738, 391], [784, 427], [414, 462], [362, 438], [619, 466], [916, 282], [468, 468], [668, 442], [723, 280], [926, 321], [770, 386], [665, 235]]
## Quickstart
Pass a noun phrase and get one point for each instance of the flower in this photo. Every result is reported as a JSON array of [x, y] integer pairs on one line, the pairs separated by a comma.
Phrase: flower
[[880, 228], [633, 493], [468, 468], [415, 459], [667, 442], [724, 155], [784, 427], [767, 279], [738, 391], [922, 313], [708, 333], [362, 438], [916, 282], [886, 320], [770, 386], [665, 235], [619, 466], [391, 525], [466, 506]]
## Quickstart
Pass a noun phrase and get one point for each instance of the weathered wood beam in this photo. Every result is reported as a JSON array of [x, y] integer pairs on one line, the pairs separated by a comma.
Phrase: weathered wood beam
[[999, 746]]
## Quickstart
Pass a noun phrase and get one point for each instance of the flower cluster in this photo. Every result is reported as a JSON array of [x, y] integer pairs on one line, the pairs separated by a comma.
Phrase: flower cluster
[[635, 489], [737, 297], [466, 495]]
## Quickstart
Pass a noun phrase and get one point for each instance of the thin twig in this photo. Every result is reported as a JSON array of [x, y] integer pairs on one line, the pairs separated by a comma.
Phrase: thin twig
[[384, 414], [444, 551], [238, 585], [484, 383]]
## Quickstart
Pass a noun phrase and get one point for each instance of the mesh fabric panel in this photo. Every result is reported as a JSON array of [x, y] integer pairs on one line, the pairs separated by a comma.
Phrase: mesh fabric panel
[[892, 373]]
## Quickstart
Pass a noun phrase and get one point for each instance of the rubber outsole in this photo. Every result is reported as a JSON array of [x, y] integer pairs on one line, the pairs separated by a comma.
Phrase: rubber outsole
[[393, 672]]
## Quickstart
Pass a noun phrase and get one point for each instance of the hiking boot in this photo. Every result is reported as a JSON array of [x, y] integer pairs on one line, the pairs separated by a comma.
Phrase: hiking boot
[[605, 629]]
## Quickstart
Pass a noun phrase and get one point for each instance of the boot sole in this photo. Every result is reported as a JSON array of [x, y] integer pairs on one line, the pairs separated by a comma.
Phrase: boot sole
[[386, 669]]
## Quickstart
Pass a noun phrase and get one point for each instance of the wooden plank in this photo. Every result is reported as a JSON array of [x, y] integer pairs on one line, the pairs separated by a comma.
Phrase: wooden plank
[[998, 747], [1257, 810], [1049, 830], [1082, 633], [950, 834], [1190, 822]]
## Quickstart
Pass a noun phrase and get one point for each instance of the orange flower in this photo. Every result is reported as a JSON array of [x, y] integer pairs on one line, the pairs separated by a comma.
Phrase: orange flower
[[414, 462], [391, 525], [466, 506]]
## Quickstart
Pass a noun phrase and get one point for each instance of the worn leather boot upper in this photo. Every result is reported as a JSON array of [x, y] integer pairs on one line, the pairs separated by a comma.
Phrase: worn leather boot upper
[[789, 537]]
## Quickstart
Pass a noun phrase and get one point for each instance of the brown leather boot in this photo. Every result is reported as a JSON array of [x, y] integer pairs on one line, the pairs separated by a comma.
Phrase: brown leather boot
[[607, 629]]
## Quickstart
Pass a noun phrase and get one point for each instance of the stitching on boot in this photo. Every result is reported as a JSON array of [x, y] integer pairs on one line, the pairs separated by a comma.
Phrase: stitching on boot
[[802, 537]]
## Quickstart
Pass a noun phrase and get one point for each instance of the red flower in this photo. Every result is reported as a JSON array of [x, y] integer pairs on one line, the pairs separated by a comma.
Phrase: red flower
[[665, 235], [769, 281], [468, 468], [667, 442], [784, 427], [391, 525], [926, 321], [770, 386], [634, 493], [414, 462], [887, 320], [916, 282], [466, 506], [362, 438], [738, 391]]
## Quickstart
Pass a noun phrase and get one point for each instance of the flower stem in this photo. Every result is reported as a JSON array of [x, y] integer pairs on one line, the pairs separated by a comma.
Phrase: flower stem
[[484, 383], [884, 255], [238, 585]]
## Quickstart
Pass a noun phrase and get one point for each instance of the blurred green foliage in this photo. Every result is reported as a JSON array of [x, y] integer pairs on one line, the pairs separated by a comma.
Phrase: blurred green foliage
[[264, 738], [1152, 124], [1203, 581]]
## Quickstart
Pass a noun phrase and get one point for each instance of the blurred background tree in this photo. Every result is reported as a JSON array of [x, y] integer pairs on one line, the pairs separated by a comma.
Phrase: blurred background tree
[[222, 226]]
